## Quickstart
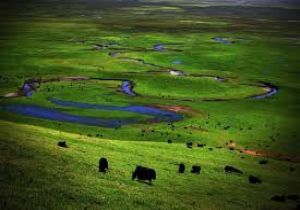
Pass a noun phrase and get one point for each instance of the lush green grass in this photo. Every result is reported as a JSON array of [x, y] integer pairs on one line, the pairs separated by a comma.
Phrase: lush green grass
[[31, 159], [52, 39]]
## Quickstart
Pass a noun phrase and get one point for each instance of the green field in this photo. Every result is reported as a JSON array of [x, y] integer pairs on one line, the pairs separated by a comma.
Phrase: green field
[[108, 42]]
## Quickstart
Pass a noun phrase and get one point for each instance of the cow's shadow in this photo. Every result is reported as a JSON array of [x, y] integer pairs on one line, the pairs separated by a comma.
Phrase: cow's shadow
[[145, 182]]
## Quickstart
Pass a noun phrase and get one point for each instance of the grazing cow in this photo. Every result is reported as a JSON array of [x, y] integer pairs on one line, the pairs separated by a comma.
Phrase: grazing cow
[[62, 144], [144, 173], [279, 198], [231, 169], [254, 180], [181, 168], [201, 145], [189, 145], [103, 165], [169, 141], [263, 162], [196, 169]]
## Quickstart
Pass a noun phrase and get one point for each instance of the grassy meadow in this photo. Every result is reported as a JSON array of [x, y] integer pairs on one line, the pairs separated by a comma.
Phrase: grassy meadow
[[113, 41]]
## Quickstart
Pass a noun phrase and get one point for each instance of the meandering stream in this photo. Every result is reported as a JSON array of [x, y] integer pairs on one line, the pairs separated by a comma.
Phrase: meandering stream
[[156, 114], [127, 87]]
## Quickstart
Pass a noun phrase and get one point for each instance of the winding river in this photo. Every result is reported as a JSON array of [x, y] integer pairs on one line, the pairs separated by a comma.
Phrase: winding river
[[157, 114], [127, 87]]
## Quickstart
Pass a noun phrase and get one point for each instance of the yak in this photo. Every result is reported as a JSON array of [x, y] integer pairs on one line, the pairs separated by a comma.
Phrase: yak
[[189, 145], [103, 165], [144, 173], [254, 180], [196, 169], [181, 168], [231, 169], [62, 144]]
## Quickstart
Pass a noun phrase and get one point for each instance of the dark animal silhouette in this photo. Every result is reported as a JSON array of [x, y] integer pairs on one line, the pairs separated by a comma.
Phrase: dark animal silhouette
[[181, 168], [278, 198], [263, 162], [196, 169], [144, 173], [254, 180], [201, 145], [231, 169], [62, 144], [169, 141], [189, 144], [103, 165]]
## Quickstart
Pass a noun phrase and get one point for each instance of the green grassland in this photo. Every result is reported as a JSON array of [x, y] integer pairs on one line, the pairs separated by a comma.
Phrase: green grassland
[[51, 39], [70, 179]]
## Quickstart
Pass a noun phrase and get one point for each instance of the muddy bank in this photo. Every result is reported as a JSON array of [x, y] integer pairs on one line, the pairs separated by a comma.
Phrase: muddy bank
[[263, 153]]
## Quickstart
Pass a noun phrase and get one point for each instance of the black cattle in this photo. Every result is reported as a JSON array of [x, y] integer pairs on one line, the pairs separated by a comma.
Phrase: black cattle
[[231, 169], [201, 145], [254, 180], [278, 198], [169, 141], [196, 169], [181, 168], [189, 145], [144, 173], [103, 165], [62, 144], [263, 162]]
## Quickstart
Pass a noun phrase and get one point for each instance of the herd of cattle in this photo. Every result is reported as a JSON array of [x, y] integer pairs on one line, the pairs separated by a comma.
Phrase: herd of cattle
[[142, 173]]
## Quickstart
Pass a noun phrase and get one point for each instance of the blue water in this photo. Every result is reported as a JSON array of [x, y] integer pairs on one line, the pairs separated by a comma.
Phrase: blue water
[[270, 93], [159, 114], [53, 114], [36, 111], [159, 47], [176, 62], [127, 88], [222, 40]]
